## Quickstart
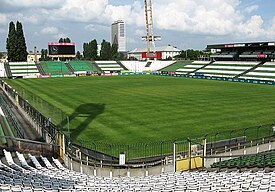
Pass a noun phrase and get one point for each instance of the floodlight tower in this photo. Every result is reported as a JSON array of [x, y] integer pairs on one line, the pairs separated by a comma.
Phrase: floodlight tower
[[150, 38]]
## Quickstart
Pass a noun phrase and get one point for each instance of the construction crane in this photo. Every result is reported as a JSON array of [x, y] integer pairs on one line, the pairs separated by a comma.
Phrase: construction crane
[[150, 37]]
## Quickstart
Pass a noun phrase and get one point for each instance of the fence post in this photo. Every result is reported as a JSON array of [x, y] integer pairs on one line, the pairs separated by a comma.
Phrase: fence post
[[174, 156]]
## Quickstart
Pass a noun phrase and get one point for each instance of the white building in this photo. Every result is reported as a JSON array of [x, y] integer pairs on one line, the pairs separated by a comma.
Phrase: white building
[[118, 35], [166, 52], [3, 57], [32, 57]]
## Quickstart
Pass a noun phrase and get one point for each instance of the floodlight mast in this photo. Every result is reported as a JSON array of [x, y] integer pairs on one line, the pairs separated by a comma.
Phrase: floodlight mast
[[150, 38]]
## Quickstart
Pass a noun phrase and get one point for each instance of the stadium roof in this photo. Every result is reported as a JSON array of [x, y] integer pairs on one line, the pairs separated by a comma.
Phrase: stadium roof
[[167, 48], [240, 45]]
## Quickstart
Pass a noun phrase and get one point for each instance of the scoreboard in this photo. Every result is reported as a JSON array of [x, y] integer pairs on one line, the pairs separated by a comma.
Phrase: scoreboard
[[61, 49]]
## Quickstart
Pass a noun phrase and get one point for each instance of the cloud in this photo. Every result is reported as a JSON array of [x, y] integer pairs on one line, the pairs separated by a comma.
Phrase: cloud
[[60, 35], [90, 27], [80, 10], [2, 31], [130, 40], [3, 19], [140, 32], [50, 30], [15, 4], [252, 28], [197, 16], [251, 8]]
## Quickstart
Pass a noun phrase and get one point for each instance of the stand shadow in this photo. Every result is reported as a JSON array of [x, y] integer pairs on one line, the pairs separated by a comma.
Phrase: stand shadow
[[90, 111]]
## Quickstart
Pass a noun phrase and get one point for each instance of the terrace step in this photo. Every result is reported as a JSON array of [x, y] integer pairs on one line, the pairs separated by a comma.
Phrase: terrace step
[[200, 68], [251, 69]]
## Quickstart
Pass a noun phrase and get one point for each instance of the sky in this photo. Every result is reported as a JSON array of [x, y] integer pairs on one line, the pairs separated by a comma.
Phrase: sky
[[185, 24]]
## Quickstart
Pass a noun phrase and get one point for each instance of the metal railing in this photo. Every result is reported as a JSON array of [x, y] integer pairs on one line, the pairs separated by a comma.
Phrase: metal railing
[[140, 153]]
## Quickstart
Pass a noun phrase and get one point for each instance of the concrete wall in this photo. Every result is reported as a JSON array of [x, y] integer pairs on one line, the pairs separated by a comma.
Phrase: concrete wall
[[156, 170], [115, 172]]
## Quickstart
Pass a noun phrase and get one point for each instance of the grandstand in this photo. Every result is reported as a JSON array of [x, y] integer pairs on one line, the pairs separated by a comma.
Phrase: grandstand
[[51, 175], [109, 66], [192, 67], [259, 160], [23, 69], [157, 65], [134, 66], [83, 67], [55, 68], [241, 60], [264, 72], [226, 68]]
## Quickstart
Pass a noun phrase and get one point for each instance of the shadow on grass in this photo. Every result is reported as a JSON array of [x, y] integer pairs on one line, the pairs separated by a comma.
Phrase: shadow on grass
[[90, 111]]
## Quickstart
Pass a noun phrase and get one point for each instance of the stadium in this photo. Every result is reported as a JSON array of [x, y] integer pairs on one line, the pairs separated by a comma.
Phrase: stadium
[[155, 121], [121, 119]]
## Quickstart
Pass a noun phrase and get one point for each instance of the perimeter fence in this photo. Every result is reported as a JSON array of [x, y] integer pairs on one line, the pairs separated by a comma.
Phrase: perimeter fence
[[48, 118]]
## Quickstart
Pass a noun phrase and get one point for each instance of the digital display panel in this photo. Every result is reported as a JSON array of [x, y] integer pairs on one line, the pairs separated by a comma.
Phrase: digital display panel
[[61, 48]]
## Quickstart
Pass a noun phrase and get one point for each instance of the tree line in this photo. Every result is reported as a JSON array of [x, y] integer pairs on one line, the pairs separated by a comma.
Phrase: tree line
[[191, 54]]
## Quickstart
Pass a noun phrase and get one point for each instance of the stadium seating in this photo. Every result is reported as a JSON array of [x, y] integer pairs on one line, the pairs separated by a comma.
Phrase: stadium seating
[[109, 66], [23, 69], [189, 68], [157, 65], [84, 66], [177, 65], [264, 72], [227, 68], [55, 68], [134, 66], [260, 160], [55, 177]]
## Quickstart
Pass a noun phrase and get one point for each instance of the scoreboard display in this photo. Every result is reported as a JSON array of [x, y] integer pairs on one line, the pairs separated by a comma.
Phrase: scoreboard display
[[61, 49]]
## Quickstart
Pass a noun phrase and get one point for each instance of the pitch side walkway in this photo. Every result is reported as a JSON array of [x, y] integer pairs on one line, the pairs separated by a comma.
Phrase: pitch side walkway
[[28, 129]]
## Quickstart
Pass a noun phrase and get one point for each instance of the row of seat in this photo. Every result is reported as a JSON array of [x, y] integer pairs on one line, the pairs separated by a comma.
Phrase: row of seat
[[55, 177], [260, 160]]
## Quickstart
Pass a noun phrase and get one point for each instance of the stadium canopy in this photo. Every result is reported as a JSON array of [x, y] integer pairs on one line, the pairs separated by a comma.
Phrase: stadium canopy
[[243, 51]]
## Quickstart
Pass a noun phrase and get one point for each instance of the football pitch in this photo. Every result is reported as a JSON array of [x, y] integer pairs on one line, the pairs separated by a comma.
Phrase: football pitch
[[147, 108]]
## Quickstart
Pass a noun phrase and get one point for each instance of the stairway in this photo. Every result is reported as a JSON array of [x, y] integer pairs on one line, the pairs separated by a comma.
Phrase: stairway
[[69, 67], [148, 64], [96, 65], [40, 69], [8, 70], [200, 68], [121, 65], [251, 69]]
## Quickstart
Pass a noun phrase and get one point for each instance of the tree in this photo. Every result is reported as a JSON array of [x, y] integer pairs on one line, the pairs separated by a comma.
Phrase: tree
[[21, 52], [78, 55], [189, 54], [64, 40], [105, 53], [114, 49], [11, 42], [93, 47], [44, 55], [16, 44], [90, 50]]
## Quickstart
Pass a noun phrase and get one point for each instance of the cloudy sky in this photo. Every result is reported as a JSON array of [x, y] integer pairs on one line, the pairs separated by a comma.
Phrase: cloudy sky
[[182, 23]]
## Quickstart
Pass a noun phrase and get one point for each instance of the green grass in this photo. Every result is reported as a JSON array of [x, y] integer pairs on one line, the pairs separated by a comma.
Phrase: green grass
[[133, 109]]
